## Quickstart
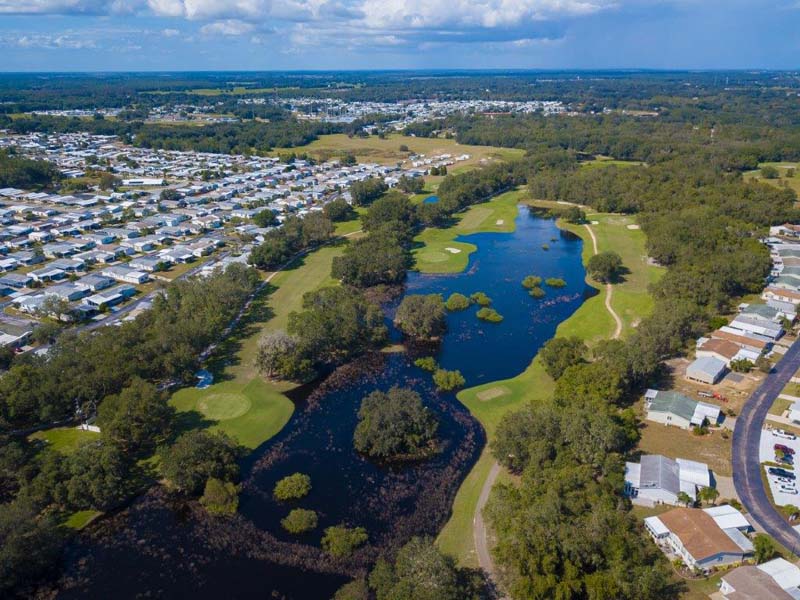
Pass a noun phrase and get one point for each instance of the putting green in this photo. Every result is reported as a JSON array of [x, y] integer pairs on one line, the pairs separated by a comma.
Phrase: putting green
[[432, 256], [222, 407]]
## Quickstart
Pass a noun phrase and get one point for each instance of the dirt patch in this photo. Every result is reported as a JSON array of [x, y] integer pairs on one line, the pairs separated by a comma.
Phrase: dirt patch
[[492, 393]]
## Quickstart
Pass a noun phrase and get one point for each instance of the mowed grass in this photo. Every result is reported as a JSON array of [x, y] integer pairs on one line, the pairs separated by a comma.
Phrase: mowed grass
[[387, 151], [65, 439], [433, 247], [591, 322], [782, 181], [600, 162], [242, 403]]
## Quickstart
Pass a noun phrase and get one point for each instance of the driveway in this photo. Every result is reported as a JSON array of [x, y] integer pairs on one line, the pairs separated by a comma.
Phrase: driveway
[[746, 451]]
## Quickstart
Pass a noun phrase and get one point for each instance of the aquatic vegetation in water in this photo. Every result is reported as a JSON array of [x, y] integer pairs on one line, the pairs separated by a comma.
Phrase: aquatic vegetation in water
[[489, 314], [481, 299], [531, 281], [555, 282]]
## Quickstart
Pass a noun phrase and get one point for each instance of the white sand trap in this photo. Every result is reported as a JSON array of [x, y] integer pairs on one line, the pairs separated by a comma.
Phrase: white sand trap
[[633, 226], [453, 250], [595, 222], [500, 222]]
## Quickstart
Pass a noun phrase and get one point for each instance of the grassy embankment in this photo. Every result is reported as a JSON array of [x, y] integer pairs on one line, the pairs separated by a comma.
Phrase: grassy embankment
[[591, 322]]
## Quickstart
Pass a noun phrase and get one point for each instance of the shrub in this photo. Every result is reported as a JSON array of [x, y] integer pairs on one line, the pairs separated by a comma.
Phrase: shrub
[[531, 281], [457, 302], [489, 314], [447, 381], [481, 299], [341, 541], [220, 497], [741, 366], [426, 363], [300, 520], [292, 487], [555, 282]]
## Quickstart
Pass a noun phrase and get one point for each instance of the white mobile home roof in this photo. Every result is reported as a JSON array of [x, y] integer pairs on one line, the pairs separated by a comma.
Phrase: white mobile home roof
[[693, 471], [727, 517], [655, 525], [785, 574]]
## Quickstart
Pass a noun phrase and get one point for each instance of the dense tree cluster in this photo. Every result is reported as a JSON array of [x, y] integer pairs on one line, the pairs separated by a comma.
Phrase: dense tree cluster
[[296, 234], [335, 325], [564, 532], [421, 317], [394, 425], [25, 173], [365, 192]]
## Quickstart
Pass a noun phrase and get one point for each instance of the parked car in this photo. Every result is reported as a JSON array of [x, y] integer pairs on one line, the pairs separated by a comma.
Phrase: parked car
[[783, 448], [784, 460], [788, 490], [785, 480], [705, 394], [781, 473], [783, 434]]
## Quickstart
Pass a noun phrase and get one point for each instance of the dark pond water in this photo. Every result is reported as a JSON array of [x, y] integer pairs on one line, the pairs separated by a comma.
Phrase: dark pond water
[[166, 548], [431, 200]]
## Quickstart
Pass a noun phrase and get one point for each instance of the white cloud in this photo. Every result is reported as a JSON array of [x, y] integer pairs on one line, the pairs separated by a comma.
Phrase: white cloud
[[426, 14], [170, 33], [227, 27], [48, 42]]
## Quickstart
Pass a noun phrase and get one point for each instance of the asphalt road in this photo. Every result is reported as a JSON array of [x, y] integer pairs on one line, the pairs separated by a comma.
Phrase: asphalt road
[[746, 437]]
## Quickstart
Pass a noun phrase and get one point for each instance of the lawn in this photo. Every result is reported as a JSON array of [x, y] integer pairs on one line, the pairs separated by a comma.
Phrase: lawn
[[600, 162], [782, 181], [387, 151], [434, 247], [64, 439], [792, 389], [242, 403], [674, 442], [591, 322]]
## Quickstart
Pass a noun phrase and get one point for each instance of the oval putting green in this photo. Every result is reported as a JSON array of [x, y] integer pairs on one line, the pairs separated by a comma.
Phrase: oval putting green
[[223, 406], [432, 256]]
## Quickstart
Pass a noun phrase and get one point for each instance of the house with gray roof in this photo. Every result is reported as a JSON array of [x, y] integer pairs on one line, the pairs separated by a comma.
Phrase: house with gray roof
[[672, 408], [657, 479], [706, 369]]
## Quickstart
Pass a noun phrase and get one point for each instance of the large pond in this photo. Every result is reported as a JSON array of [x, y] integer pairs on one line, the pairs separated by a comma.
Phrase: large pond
[[164, 547]]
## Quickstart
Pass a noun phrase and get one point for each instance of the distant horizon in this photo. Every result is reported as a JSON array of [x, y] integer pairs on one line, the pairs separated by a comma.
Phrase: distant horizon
[[466, 70], [122, 36]]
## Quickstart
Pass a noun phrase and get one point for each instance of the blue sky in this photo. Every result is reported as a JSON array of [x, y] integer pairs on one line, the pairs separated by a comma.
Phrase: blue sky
[[122, 35]]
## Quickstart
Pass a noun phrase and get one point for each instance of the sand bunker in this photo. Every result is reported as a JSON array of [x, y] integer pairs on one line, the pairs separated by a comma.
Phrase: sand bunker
[[453, 250], [633, 226]]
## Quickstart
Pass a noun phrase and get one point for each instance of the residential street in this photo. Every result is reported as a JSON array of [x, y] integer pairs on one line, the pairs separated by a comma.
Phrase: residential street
[[746, 466]]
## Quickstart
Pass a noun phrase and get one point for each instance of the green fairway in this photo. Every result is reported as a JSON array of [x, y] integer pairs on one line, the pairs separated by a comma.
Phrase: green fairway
[[242, 403], [782, 180], [435, 250], [591, 322], [65, 439]]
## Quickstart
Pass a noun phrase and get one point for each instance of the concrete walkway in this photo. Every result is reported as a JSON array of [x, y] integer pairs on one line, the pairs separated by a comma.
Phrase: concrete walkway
[[609, 291]]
